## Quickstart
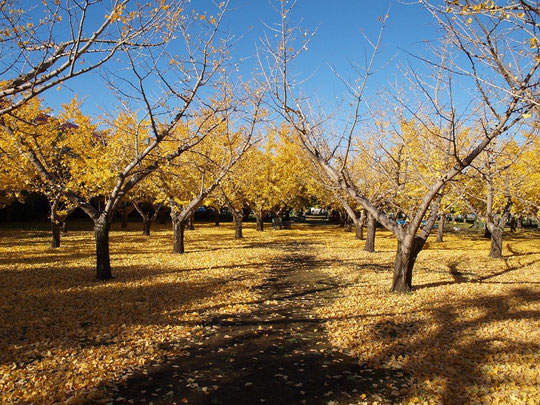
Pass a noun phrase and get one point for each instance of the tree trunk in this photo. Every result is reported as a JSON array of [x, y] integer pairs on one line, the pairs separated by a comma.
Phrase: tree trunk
[[125, 215], [487, 233], [178, 232], [370, 239], [260, 222], [238, 218], [277, 222], [496, 243], [191, 221], [147, 224], [342, 218], [404, 264], [216, 216], [513, 224], [359, 230], [348, 225], [56, 229], [103, 261], [440, 231], [64, 227]]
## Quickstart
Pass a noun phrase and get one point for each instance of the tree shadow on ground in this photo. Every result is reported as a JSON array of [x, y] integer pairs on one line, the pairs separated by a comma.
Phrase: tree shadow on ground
[[452, 357], [276, 353]]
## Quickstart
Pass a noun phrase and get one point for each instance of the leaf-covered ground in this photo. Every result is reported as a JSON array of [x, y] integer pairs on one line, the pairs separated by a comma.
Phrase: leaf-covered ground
[[469, 333]]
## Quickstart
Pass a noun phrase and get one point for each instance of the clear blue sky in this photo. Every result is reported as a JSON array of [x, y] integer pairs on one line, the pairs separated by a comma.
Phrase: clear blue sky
[[339, 40]]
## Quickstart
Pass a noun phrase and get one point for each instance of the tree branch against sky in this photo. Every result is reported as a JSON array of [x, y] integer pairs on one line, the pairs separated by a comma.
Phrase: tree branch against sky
[[44, 44]]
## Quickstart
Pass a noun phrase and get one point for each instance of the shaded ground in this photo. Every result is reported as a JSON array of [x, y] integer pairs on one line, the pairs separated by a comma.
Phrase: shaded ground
[[276, 354]]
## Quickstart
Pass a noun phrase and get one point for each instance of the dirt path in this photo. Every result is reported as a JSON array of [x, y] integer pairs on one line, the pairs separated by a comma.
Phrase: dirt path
[[276, 354]]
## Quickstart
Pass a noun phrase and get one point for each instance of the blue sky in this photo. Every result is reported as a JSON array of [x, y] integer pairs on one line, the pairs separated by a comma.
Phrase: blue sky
[[338, 41]]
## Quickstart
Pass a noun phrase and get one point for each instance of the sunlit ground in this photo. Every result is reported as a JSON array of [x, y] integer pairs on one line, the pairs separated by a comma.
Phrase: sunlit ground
[[469, 332]]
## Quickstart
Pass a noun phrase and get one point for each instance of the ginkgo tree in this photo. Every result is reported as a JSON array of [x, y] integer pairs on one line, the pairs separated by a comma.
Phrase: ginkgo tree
[[106, 167], [42, 150], [506, 95], [187, 182]]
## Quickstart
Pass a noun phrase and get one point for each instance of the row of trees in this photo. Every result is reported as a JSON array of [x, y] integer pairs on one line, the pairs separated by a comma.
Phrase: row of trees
[[205, 140]]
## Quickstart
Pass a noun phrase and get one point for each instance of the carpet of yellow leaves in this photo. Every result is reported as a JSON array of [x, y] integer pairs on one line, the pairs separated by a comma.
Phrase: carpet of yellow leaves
[[64, 336], [470, 332]]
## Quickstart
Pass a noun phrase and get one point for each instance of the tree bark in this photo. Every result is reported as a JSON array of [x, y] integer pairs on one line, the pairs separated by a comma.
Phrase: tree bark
[[495, 251], [191, 221], [359, 230], [404, 264], [277, 221], [102, 227], [348, 225], [371, 229], [238, 220], [178, 233], [260, 221], [56, 227], [487, 233], [147, 224], [440, 231]]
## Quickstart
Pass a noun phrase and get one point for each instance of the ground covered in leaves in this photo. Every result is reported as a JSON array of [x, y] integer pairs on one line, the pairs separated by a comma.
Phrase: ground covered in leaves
[[292, 316]]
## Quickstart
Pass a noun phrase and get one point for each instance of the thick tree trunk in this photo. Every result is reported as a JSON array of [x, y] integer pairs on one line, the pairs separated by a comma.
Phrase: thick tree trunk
[[260, 222], [103, 261], [238, 220], [495, 251], [178, 233], [371, 229], [440, 231], [404, 264], [56, 227], [147, 224]]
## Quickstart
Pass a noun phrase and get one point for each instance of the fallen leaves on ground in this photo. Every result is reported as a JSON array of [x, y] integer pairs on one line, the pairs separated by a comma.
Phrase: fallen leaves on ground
[[469, 332]]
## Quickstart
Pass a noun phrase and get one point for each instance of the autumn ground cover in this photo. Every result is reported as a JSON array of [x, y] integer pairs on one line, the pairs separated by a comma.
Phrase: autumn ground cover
[[468, 333]]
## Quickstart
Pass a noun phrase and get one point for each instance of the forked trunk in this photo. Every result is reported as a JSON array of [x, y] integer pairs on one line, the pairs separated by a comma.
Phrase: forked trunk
[[238, 226], [440, 231], [495, 251], [103, 261], [487, 233], [371, 229], [404, 264], [56, 227], [178, 233]]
